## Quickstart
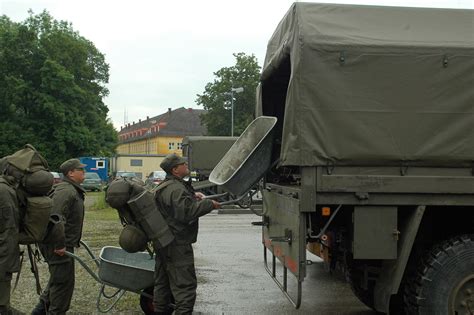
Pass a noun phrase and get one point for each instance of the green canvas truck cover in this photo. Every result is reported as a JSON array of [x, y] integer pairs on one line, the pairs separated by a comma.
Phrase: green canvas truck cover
[[358, 85]]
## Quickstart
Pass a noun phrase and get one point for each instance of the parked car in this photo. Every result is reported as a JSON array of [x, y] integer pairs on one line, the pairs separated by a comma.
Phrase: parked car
[[57, 177], [154, 178], [125, 174], [129, 175], [92, 182]]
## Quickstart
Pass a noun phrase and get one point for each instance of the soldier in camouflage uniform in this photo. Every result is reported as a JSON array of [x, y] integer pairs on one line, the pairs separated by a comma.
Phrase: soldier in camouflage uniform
[[181, 206], [9, 235], [68, 201], [15, 185]]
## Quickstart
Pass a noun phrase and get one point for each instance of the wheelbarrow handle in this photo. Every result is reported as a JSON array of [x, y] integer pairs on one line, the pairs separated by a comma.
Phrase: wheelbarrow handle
[[249, 193], [89, 251], [86, 267], [215, 196], [229, 202]]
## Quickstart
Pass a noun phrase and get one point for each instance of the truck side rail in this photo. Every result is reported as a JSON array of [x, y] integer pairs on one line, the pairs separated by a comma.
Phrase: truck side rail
[[283, 286]]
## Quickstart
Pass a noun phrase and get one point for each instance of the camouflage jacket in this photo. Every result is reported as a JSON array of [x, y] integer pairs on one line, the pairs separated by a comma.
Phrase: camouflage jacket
[[9, 230], [176, 201], [68, 201]]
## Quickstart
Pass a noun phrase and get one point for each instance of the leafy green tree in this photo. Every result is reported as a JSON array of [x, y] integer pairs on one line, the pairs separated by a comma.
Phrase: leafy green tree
[[52, 85], [216, 98]]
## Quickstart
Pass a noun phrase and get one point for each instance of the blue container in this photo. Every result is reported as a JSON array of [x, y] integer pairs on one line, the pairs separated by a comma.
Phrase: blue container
[[99, 165]]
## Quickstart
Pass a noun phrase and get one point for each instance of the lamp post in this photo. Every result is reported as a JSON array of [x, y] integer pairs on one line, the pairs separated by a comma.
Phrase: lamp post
[[232, 91]]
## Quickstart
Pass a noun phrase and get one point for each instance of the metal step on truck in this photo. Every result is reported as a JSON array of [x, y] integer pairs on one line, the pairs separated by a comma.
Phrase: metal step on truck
[[364, 151]]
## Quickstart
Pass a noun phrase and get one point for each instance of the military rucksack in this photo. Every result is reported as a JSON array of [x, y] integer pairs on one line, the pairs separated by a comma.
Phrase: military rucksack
[[139, 215], [32, 172]]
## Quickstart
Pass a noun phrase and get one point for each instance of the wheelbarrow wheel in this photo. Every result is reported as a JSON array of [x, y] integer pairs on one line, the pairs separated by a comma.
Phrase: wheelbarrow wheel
[[146, 303]]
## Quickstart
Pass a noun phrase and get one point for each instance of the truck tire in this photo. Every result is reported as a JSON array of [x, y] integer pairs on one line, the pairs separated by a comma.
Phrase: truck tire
[[365, 296], [444, 280], [354, 277]]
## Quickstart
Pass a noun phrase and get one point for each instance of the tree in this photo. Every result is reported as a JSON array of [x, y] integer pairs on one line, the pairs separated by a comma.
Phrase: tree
[[216, 97], [52, 85]]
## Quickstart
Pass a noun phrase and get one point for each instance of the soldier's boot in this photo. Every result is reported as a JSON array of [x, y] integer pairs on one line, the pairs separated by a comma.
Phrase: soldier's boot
[[4, 310], [168, 311], [40, 309]]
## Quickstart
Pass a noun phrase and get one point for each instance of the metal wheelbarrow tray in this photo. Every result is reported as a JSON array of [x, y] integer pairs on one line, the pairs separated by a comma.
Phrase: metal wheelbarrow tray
[[131, 272], [123, 271], [248, 159]]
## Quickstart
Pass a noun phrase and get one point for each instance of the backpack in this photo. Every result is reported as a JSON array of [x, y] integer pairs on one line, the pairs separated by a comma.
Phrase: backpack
[[139, 215], [32, 172]]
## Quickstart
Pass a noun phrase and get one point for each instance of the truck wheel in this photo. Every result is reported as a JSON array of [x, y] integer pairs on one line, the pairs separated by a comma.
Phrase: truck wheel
[[444, 280], [365, 296], [146, 303]]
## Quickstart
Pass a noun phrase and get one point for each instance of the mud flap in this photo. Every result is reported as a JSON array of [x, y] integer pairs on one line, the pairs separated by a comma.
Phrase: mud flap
[[284, 235]]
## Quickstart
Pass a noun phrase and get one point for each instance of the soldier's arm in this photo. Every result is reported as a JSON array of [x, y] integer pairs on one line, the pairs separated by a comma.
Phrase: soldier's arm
[[187, 208], [62, 200]]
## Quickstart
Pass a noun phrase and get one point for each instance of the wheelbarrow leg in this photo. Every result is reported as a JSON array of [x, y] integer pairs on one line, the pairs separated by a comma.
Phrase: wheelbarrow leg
[[117, 294]]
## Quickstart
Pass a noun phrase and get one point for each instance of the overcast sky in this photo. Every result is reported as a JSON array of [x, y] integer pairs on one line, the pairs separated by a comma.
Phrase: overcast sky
[[162, 53]]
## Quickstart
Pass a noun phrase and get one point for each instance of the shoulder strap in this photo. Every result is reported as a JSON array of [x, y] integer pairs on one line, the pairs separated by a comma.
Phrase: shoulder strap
[[163, 185], [34, 268]]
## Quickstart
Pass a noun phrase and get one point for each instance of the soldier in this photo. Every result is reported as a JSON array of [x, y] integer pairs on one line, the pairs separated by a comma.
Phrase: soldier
[[9, 235], [15, 186], [181, 206], [68, 201]]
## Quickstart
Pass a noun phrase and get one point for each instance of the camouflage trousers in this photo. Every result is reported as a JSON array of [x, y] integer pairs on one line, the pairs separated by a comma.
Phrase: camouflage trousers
[[58, 292], [175, 277], [5, 287]]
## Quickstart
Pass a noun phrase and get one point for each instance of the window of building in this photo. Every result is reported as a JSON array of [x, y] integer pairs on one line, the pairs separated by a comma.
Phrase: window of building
[[134, 162], [171, 146], [180, 146]]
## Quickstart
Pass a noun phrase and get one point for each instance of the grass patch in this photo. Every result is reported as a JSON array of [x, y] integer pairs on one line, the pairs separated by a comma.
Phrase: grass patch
[[99, 202]]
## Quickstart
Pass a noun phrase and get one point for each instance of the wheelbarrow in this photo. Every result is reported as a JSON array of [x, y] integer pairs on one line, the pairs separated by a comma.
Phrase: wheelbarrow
[[246, 162], [248, 159], [123, 271]]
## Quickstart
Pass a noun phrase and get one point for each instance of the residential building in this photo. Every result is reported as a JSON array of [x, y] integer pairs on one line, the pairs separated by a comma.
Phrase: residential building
[[143, 145]]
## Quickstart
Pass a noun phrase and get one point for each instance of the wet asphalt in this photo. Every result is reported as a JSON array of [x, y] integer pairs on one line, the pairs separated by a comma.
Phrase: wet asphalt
[[232, 278]]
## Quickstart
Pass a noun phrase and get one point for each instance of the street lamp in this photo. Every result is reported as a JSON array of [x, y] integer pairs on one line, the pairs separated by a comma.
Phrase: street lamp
[[232, 91]]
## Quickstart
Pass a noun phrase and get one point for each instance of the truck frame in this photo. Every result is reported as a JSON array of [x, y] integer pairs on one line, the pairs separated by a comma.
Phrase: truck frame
[[373, 153]]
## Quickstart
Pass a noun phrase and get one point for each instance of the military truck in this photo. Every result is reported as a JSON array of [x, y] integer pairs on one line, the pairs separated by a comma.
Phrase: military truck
[[372, 158], [204, 152]]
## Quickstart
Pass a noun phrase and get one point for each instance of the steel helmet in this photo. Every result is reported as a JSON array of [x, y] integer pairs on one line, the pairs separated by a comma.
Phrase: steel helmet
[[38, 183], [132, 239], [118, 193]]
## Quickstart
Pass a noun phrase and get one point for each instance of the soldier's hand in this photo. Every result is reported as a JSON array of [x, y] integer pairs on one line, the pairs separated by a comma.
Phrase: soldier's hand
[[60, 252], [199, 195], [215, 204]]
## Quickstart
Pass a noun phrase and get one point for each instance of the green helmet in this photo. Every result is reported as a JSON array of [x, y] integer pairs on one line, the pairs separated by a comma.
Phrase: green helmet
[[118, 193], [132, 239], [121, 190], [38, 183]]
